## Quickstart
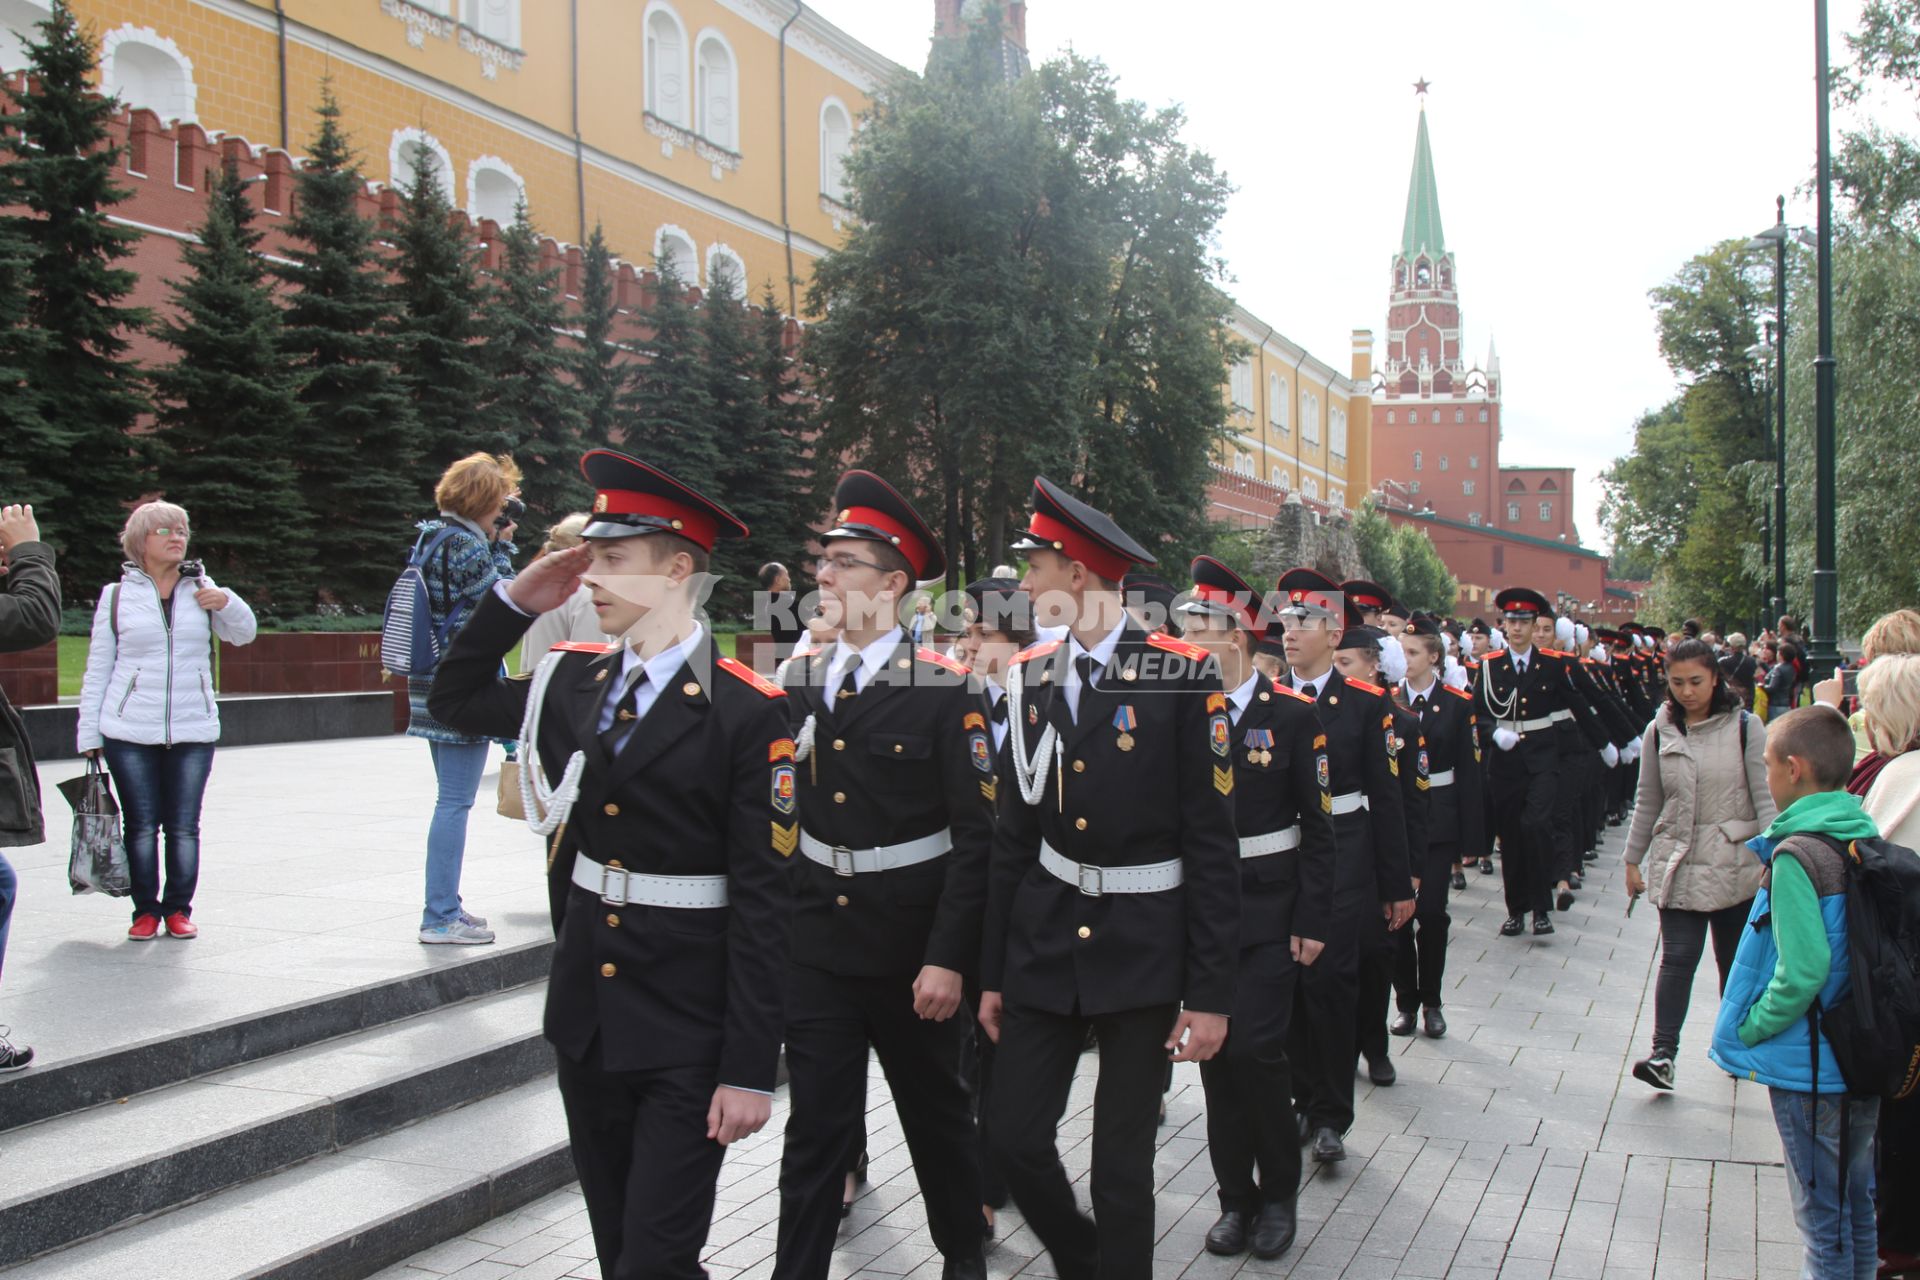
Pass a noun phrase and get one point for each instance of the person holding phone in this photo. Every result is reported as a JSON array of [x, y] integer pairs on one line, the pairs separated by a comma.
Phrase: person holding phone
[[147, 704], [29, 618]]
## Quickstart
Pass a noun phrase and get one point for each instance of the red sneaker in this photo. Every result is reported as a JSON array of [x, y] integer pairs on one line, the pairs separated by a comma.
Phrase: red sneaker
[[145, 928], [179, 926]]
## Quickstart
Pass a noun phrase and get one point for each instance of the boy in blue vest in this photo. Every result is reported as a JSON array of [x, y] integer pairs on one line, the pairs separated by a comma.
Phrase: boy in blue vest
[[1791, 964]]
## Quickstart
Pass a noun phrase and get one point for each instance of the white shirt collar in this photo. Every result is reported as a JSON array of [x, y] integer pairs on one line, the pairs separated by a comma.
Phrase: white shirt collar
[[1433, 682], [1243, 695], [1319, 682], [666, 664], [873, 658], [1521, 655], [1102, 653]]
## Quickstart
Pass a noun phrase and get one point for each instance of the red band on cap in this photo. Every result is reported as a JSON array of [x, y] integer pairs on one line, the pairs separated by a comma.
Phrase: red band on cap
[[690, 522], [1075, 545], [1366, 602], [905, 540], [1315, 599], [1241, 602]]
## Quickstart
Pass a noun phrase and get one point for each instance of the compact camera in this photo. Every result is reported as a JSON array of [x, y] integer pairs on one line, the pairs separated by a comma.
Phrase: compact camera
[[192, 569], [510, 513]]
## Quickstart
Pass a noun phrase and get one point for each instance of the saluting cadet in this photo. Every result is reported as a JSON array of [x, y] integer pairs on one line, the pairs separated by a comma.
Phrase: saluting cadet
[[1283, 812], [665, 874], [1115, 899], [1372, 872], [1359, 658], [1450, 727], [892, 748]]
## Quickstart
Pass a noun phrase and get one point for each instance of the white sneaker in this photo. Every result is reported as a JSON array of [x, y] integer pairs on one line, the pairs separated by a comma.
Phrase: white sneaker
[[466, 917], [459, 933]]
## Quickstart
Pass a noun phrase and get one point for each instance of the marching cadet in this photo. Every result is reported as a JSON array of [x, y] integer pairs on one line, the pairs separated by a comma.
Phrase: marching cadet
[[666, 877], [1359, 658], [1372, 872], [1479, 637], [1282, 810], [892, 750], [1115, 897], [1451, 730]]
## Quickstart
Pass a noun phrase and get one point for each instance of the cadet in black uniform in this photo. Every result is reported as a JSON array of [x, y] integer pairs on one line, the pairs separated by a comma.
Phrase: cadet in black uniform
[[666, 875], [1282, 810], [1479, 638], [892, 747], [1372, 871], [1115, 899], [1450, 728]]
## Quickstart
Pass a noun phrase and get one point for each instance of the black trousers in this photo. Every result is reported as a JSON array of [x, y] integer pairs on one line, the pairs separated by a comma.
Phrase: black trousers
[[1250, 1126], [1420, 949], [1683, 940], [1374, 987], [1034, 1068], [831, 1021], [646, 1166], [1523, 811]]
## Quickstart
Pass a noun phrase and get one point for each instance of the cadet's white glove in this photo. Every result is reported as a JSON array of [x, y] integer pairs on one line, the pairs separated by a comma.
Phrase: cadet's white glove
[[1505, 739], [1611, 754], [1632, 755]]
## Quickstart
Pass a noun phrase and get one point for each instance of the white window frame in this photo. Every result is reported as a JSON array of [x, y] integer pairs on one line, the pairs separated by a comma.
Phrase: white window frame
[[1280, 403], [1240, 385], [1337, 432], [1413, 486], [1473, 518], [1483, 415], [1419, 460], [1513, 513], [833, 177], [1473, 461], [702, 125], [1278, 477], [1310, 487], [718, 253], [1443, 462], [1466, 488], [1337, 498], [668, 232], [1276, 403], [652, 60], [470, 12], [491, 164], [148, 38], [1243, 464], [398, 170], [1459, 415], [1546, 512]]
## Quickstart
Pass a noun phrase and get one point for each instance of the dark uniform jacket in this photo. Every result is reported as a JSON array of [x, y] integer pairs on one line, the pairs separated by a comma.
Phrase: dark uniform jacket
[[702, 787], [1277, 784], [903, 759], [1165, 795], [29, 618], [1508, 702], [1456, 812], [1363, 755], [1610, 720], [1415, 784]]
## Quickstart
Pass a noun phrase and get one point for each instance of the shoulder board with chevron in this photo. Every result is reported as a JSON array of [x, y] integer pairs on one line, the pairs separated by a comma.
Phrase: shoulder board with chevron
[[942, 661], [808, 653], [1370, 688], [1172, 644], [1496, 655], [1461, 694], [747, 675], [1291, 692], [1555, 653], [1040, 650], [583, 646]]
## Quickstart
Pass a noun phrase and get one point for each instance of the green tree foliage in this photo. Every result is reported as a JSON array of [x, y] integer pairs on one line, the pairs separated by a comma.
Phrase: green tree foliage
[[668, 402], [19, 350], [230, 414], [359, 458], [442, 304], [1029, 290], [74, 458], [599, 366], [1403, 559], [537, 404]]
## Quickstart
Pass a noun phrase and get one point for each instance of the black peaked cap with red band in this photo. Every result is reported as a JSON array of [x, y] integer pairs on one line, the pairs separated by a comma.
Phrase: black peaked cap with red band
[[868, 508], [1311, 594], [1364, 597], [1522, 602], [632, 498], [1222, 593], [1063, 523]]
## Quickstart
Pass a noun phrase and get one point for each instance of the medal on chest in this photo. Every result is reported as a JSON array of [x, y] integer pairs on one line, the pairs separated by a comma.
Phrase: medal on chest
[[1259, 744], [1126, 722]]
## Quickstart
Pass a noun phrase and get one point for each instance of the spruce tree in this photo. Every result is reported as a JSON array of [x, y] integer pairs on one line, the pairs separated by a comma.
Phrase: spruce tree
[[738, 420], [230, 417], [442, 300], [76, 457], [359, 459], [535, 403], [19, 347], [669, 399], [600, 370]]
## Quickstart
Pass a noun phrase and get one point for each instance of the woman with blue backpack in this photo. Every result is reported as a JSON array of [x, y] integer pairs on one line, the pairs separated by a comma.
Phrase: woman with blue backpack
[[458, 558]]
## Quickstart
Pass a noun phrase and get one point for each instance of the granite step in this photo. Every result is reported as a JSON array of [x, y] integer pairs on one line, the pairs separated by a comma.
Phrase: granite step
[[74, 1175], [351, 1212]]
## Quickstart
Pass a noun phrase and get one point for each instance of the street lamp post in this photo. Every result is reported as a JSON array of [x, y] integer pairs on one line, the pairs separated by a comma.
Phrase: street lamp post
[[1824, 650], [1776, 236], [1760, 353]]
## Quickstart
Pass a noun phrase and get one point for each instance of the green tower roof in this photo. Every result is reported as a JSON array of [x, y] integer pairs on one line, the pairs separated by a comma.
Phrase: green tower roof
[[1422, 230]]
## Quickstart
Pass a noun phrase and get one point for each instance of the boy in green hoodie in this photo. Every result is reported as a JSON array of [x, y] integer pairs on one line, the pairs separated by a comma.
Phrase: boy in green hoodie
[[1793, 962]]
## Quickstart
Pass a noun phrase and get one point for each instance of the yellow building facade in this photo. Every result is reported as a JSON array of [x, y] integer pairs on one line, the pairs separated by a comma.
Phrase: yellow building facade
[[663, 120]]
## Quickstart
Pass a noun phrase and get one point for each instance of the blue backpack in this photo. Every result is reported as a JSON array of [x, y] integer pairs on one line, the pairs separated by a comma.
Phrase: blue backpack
[[410, 644]]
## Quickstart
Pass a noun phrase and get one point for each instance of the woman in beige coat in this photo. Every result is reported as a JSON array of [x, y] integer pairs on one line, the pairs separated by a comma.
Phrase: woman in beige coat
[[1703, 795]]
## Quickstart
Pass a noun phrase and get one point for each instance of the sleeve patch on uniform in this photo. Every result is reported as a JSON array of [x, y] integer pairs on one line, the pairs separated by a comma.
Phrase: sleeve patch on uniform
[[1220, 732], [780, 749], [1216, 702], [973, 720], [786, 838], [982, 753], [990, 789], [1424, 770], [1322, 772], [1319, 742], [1223, 780], [783, 789]]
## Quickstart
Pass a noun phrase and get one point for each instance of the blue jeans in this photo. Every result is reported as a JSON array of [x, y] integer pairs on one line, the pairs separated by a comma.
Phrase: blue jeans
[[9, 890], [1842, 1241], [457, 767], [161, 787]]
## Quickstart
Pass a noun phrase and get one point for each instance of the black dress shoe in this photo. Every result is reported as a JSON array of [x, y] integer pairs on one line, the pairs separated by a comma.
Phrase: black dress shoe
[[970, 1267], [1563, 900], [1459, 880], [1273, 1229], [1573, 882], [1486, 866], [1436, 1023], [1402, 1024], [1327, 1147], [1512, 928], [1228, 1235], [1380, 1071], [1542, 923]]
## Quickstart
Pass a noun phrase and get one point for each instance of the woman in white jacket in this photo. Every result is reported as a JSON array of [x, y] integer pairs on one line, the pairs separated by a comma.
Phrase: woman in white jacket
[[147, 704]]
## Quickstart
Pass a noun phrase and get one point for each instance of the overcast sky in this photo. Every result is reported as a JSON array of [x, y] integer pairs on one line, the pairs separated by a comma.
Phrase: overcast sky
[[1583, 153]]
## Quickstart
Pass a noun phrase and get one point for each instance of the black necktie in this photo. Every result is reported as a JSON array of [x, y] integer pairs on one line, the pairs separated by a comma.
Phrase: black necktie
[[625, 713], [1419, 704], [849, 683], [999, 712], [1308, 689]]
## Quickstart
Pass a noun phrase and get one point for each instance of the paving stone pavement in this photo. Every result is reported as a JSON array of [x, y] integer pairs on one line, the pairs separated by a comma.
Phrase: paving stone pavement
[[1517, 1147]]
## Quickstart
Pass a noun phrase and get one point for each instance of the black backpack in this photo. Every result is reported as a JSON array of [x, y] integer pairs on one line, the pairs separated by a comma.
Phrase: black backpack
[[1875, 1028]]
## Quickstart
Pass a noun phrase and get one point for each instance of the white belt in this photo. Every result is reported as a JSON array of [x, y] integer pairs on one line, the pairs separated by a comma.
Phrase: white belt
[[1271, 842], [843, 861], [1560, 715], [623, 888], [1154, 877], [1527, 726], [1442, 779], [1350, 801]]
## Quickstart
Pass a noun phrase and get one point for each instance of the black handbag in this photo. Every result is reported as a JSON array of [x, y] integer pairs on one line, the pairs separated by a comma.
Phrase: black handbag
[[98, 860]]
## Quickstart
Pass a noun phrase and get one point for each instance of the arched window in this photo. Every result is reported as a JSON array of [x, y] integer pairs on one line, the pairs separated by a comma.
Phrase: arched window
[[1513, 513], [493, 190], [673, 249], [1422, 276], [1419, 459], [726, 271], [1473, 462], [1240, 385], [666, 65], [1436, 417], [836, 139], [1280, 406], [1516, 485], [403, 153], [1443, 462], [1414, 487], [1548, 486], [1473, 518], [1483, 415], [1466, 487], [143, 68], [1242, 465], [1310, 487], [1276, 403], [1336, 498], [716, 92], [1279, 475], [497, 20], [1337, 432], [1546, 512], [1309, 417], [17, 21], [1389, 417], [1459, 415]]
